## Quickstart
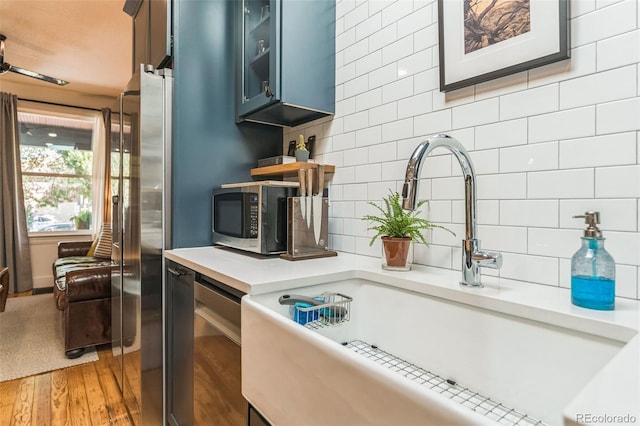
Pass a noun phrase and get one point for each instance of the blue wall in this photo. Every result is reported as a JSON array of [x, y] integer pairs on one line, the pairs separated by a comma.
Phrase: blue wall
[[209, 148]]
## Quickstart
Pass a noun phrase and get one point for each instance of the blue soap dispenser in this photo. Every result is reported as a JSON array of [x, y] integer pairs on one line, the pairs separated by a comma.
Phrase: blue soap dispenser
[[593, 270]]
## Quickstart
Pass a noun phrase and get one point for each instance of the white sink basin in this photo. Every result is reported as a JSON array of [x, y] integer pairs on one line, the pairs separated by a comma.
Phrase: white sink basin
[[294, 375]]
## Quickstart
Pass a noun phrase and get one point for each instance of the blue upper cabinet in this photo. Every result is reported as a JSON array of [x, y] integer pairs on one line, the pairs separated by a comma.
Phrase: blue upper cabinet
[[287, 61]]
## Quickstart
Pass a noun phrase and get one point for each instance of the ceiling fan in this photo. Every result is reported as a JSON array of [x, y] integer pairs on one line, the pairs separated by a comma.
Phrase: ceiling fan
[[5, 67]]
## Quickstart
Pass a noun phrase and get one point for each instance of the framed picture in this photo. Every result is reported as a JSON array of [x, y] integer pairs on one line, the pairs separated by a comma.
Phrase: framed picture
[[485, 39]]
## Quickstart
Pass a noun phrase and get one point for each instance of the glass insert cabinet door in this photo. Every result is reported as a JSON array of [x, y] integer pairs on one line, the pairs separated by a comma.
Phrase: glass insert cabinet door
[[259, 54]]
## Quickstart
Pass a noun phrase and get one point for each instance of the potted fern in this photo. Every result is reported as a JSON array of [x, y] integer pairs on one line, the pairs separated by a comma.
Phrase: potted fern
[[397, 228]]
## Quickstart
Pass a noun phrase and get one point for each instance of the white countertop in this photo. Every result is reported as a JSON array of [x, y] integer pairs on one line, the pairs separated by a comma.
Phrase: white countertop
[[615, 391]]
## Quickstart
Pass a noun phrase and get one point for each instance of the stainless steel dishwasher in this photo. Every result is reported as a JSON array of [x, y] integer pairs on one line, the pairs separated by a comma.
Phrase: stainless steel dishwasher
[[217, 394], [204, 386]]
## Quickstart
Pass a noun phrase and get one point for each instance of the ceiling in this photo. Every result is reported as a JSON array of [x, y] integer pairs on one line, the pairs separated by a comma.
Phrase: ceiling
[[86, 42]]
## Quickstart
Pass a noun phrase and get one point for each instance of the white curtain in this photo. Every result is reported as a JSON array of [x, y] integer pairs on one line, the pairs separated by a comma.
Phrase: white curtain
[[98, 174]]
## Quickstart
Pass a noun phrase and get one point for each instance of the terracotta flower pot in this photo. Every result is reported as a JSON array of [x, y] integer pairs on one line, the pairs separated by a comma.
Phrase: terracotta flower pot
[[396, 251]]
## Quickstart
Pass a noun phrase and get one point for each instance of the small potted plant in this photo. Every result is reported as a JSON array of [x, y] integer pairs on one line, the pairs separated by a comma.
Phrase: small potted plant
[[82, 219], [397, 228], [302, 154]]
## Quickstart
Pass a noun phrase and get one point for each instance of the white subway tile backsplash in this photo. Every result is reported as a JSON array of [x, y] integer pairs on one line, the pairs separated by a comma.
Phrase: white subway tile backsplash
[[434, 255], [485, 162], [382, 76], [618, 51], [603, 23], [620, 116], [573, 123], [368, 26], [504, 133], [396, 130], [451, 188], [357, 192], [618, 182], [547, 143], [488, 212], [425, 38], [529, 102], [370, 99], [383, 114], [397, 90], [553, 242], [597, 88], [356, 121], [434, 122], [368, 173], [397, 50], [436, 166], [535, 213], [560, 184], [540, 156], [426, 81], [501, 187], [624, 247], [511, 239], [615, 214], [414, 63], [395, 11], [476, 113], [414, 105], [357, 15], [382, 152], [356, 50], [357, 156], [608, 150], [626, 281], [501, 86], [344, 141], [537, 269], [582, 62], [356, 86], [369, 136], [580, 7], [383, 38], [366, 64], [414, 21]]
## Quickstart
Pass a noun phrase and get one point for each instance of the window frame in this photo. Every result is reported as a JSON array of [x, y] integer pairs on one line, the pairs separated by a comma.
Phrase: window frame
[[75, 113]]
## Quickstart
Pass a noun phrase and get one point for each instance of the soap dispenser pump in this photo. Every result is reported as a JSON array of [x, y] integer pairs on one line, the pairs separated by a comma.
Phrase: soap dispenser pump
[[593, 269]]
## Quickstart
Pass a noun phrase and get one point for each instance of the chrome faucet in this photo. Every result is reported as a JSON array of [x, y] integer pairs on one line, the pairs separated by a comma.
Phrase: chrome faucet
[[472, 257]]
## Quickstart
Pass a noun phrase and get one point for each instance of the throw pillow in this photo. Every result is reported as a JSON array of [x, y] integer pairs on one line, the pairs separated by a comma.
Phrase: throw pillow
[[92, 249], [103, 247]]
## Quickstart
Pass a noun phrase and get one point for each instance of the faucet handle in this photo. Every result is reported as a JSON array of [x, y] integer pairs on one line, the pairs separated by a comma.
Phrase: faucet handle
[[487, 259]]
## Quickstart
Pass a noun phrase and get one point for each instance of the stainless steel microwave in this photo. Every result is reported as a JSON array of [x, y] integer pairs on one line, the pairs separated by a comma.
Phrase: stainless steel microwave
[[252, 216]]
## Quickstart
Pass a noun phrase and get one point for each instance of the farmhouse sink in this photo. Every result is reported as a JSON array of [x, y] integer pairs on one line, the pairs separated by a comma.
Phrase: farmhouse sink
[[413, 358]]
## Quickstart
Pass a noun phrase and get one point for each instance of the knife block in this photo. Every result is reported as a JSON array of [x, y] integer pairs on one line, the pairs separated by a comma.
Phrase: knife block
[[307, 232]]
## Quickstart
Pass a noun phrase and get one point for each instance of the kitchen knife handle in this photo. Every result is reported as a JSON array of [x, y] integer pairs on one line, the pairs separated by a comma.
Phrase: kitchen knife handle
[[321, 180], [309, 181], [301, 178]]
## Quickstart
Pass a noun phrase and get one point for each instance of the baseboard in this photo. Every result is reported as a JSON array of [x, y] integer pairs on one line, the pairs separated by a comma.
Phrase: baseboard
[[42, 290]]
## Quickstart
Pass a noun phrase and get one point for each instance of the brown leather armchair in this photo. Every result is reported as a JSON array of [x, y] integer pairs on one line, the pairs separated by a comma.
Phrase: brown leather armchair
[[82, 289]]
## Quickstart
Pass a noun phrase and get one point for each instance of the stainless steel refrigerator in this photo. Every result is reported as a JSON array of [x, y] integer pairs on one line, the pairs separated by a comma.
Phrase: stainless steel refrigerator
[[141, 231]]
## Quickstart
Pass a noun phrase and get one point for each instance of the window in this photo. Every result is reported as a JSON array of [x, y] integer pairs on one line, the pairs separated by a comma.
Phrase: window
[[56, 154]]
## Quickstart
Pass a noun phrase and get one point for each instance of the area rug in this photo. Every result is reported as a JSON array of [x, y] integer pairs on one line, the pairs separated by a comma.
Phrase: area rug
[[31, 338]]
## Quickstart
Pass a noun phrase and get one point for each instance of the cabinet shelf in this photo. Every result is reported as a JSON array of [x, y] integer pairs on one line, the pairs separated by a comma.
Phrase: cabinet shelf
[[261, 60], [289, 169], [260, 25]]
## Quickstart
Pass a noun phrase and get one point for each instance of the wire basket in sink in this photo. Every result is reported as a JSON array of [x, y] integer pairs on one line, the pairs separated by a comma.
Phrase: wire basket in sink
[[320, 311]]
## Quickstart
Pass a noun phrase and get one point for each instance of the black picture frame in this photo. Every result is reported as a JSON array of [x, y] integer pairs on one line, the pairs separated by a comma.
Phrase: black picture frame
[[546, 41]]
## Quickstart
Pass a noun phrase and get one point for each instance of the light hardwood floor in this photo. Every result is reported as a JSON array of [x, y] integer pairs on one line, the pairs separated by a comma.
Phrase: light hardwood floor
[[86, 394]]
